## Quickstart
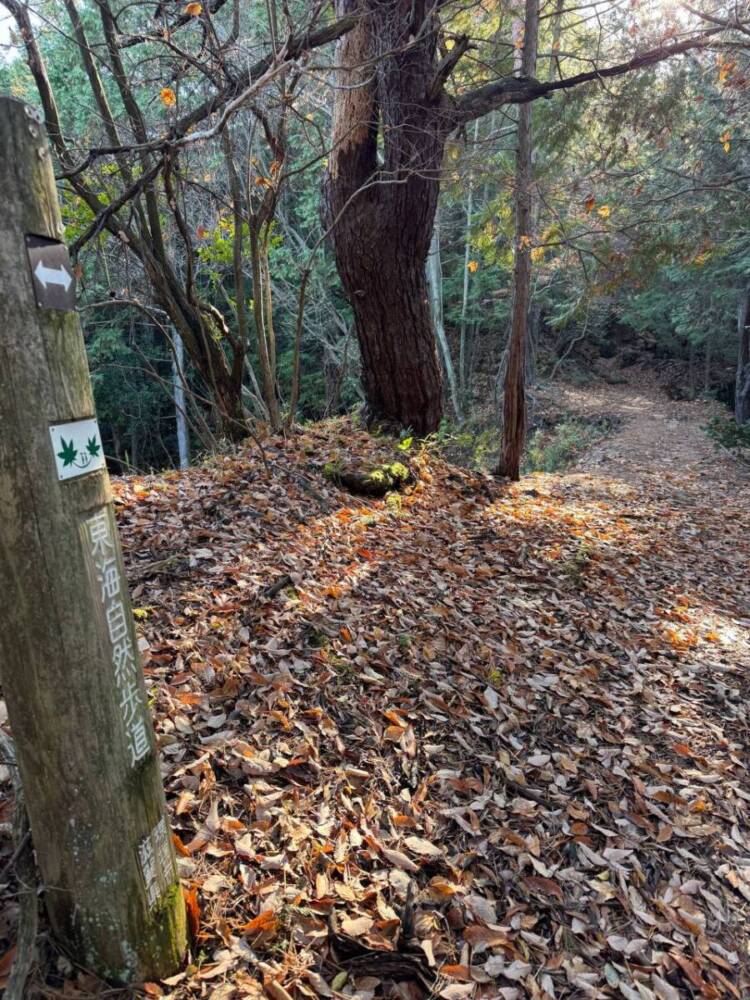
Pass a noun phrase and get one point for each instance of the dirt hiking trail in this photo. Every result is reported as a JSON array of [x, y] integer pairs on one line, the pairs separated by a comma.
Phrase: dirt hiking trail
[[656, 436], [509, 719]]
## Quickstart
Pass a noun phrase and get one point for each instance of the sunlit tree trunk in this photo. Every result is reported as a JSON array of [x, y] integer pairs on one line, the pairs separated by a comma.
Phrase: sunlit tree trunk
[[435, 286], [381, 214], [465, 296], [178, 377], [514, 399]]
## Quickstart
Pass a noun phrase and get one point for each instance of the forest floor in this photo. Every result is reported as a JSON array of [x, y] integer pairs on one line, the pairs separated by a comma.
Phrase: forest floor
[[477, 740], [655, 435]]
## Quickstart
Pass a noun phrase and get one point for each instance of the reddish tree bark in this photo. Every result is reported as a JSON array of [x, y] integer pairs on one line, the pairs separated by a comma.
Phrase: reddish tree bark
[[382, 213], [391, 118], [514, 398]]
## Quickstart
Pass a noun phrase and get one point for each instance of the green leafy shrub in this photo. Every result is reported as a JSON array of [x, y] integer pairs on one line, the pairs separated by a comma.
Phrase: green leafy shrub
[[555, 449], [726, 432]]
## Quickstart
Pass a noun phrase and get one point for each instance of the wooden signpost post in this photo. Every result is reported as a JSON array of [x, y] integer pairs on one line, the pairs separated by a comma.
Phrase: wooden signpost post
[[69, 663]]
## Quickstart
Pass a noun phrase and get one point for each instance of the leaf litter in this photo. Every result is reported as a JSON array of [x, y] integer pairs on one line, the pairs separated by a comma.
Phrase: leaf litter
[[479, 741]]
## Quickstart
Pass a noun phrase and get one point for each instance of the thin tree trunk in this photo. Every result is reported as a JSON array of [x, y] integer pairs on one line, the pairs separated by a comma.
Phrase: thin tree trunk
[[465, 296], [742, 386], [267, 374], [707, 365], [435, 286], [514, 400], [691, 367], [178, 375], [554, 59], [268, 307]]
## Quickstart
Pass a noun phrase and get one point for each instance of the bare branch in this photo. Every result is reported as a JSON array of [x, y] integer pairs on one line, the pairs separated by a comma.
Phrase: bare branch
[[520, 90]]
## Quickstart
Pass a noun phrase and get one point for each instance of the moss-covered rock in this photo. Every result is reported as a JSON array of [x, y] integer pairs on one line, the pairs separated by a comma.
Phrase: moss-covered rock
[[369, 480]]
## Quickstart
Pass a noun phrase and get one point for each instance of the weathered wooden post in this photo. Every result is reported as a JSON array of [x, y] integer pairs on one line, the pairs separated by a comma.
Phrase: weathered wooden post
[[69, 662]]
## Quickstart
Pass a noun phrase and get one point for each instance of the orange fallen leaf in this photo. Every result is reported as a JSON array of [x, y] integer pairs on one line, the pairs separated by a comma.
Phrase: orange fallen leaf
[[265, 923], [665, 833], [180, 847], [193, 911], [460, 972]]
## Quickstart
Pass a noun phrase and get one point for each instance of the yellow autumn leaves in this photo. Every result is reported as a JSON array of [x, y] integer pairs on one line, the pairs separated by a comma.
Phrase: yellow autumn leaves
[[604, 211], [167, 95]]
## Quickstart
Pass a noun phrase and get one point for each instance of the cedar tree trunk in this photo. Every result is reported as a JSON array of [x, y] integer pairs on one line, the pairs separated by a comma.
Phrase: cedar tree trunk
[[380, 202], [514, 398]]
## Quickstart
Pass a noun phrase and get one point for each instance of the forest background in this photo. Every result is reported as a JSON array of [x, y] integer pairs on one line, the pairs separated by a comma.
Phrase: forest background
[[209, 259]]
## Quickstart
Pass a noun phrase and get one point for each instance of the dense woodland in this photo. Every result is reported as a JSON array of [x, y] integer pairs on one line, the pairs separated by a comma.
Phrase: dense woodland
[[326, 225], [419, 339]]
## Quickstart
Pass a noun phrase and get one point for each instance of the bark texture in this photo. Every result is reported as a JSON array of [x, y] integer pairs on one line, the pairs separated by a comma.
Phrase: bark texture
[[92, 803], [514, 398], [391, 117], [742, 386], [382, 210]]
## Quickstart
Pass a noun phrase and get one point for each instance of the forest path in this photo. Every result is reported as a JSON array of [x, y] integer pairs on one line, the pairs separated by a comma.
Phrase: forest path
[[656, 436], [523, 707]]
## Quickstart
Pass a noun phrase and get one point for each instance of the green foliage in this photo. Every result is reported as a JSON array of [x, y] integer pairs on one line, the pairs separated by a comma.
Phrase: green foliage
[[556, 449], [640, 220], [473, 444], [135, 409], [729, 434]]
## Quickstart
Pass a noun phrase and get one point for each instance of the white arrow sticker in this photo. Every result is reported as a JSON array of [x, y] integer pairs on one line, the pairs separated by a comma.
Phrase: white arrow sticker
[[53, 276], [77, 447]]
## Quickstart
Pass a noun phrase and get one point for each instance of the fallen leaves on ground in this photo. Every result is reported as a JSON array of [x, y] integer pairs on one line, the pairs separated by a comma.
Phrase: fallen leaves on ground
[[503, 730]]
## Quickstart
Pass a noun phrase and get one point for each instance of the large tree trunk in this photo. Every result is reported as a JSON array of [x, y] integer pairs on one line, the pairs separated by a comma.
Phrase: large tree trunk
[[514, 399], [742, 387], [382, 213], [400, 371]]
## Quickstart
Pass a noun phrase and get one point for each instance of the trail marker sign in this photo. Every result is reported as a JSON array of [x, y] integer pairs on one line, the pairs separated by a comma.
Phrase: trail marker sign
[[52, 273], [77, 446], [71, 673]]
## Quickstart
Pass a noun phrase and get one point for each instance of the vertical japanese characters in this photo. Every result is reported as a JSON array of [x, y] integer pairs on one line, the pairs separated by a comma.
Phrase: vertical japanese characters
[[157, 862], [103, 552]]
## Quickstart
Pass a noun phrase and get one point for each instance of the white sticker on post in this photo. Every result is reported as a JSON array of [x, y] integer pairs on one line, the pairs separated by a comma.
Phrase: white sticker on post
[[77, 447]]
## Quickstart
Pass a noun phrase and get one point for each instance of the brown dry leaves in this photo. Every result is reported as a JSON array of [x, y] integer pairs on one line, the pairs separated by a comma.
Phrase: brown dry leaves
[[530, 706]]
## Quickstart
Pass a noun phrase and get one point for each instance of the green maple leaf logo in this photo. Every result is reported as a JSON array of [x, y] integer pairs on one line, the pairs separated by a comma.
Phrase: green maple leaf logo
[[68, 453], [92, 447]]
